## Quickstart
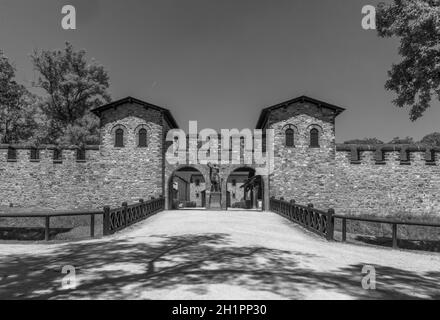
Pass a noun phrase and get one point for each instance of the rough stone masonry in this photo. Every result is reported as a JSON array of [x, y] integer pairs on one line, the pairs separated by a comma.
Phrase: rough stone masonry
[[352, 179]]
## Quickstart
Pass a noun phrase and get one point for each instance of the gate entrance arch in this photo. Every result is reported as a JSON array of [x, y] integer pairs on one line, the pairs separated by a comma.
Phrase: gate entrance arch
[[245, 189], [187, 189]]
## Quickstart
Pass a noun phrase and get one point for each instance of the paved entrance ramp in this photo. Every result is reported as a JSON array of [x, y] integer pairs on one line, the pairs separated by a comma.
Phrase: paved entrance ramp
[[215, 255]]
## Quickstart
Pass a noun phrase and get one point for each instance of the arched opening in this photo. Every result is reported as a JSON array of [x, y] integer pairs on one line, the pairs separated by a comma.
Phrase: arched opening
[[142, 143], [314, 138], [187, 189], [119, 138], [245, 190], [290, 138]]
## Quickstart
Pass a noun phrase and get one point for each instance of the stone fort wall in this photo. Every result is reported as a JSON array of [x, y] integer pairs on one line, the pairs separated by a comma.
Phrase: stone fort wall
[[398, 182], [352, 179], [108, 176], [302, 172], [353, 185], [381, 180], [45, 184]]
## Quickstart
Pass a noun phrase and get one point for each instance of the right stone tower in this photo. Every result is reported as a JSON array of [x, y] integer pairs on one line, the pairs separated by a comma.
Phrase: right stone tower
[[304, 149]]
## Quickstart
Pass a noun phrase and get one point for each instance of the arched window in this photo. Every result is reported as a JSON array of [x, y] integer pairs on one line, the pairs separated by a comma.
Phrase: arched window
[[290, 137], [119, 138], [142, 138], [314, 138], [290, 131]]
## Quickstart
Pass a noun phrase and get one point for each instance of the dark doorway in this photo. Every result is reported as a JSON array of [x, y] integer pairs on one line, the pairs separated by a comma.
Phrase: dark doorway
[[245, 190], [187, 189]]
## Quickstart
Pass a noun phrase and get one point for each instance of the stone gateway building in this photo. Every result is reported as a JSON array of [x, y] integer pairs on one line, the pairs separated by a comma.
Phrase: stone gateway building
[[309, 167]]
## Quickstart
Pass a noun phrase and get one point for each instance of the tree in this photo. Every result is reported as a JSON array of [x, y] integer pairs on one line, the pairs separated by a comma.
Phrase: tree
[[364, 141], [17, 106], [397, 140], [432, 139], [73, 88], [416, 79]]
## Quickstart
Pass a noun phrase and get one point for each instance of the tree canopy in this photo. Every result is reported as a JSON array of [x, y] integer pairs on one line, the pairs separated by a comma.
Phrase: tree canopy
[[74, 86], [18, 111], [432, 139], [364, 141], [415, 79], [406, 140]]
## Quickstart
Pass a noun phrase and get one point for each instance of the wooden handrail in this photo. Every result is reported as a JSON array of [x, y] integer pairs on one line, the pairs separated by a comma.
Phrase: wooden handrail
[[290, 210], [315, 220], [388, 221], [116, 219], [394, 224], [128, 214], [49, 213]]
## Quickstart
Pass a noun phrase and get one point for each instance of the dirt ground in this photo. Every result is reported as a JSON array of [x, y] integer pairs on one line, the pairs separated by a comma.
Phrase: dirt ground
[[215, 255]]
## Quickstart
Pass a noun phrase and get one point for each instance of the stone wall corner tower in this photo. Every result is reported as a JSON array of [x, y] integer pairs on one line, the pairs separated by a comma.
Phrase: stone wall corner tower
[[132, 148], [304, 147]]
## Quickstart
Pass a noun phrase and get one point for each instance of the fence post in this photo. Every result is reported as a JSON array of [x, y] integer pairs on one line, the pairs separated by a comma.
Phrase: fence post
[[395, 245], [162, 202], [124, 214], [344, 229], [106, 221], [330, 224], [309, 214], [281, 209], [47, 228], [92, 225], [292, 206]]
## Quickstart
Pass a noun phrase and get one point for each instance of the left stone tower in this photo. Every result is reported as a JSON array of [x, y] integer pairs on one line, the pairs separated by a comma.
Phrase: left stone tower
[[132, 150]]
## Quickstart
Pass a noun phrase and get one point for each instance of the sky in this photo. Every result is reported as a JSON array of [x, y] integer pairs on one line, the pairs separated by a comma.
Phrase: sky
[[221, 61]]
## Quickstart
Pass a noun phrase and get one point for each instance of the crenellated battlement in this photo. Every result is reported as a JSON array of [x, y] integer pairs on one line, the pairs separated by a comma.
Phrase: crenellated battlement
[[383, 154], [131, 163], [46, 153]]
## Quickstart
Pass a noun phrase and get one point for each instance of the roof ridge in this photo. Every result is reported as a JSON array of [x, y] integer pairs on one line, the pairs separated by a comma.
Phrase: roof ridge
[[130, 99], [301, 98]]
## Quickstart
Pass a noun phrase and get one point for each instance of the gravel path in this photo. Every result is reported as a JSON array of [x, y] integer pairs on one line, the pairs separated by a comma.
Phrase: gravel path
[[215, 255]]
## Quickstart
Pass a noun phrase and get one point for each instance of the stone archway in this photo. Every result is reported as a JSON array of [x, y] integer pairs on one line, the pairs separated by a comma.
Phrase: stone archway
[[195, 180], [244, 189]]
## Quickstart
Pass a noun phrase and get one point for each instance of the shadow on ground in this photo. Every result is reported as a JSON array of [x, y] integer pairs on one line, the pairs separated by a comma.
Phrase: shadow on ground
[[122, 268]]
